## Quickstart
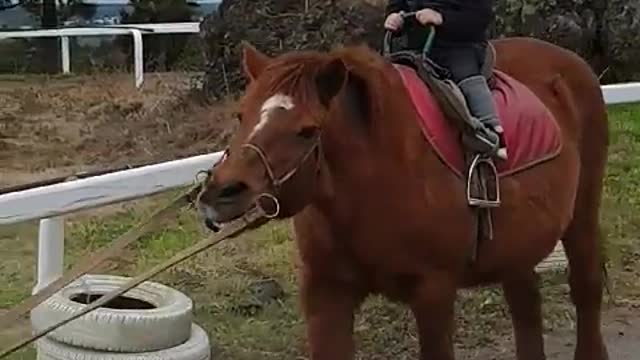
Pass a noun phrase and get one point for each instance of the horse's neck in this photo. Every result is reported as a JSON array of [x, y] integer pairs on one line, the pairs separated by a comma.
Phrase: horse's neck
[[356, 147], [389, 144]]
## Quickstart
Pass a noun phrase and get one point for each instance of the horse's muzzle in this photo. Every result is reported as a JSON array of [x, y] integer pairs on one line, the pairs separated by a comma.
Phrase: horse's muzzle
[[224, 203]]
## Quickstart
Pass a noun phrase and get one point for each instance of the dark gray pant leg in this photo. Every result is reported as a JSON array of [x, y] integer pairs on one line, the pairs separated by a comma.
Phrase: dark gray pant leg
[[465, 64]]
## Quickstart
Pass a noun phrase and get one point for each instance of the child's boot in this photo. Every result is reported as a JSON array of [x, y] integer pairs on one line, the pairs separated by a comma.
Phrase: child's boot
[[481, 106]]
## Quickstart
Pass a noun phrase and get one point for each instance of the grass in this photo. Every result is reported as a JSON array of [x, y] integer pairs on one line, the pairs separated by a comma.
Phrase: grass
[[222, 281]]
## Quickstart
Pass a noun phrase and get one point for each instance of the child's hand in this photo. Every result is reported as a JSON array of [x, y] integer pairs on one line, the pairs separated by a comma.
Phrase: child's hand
[[429, 16], [394, 22]]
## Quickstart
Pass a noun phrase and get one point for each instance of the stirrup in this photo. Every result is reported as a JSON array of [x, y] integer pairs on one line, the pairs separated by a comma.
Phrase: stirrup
[[478, 160]]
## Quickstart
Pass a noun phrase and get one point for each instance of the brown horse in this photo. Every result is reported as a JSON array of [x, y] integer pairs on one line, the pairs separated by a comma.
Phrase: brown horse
[[334, 140]]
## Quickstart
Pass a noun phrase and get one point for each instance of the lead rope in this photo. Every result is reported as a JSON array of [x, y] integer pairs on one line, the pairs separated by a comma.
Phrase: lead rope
[[252, 218], [256, 215], [92, 262]]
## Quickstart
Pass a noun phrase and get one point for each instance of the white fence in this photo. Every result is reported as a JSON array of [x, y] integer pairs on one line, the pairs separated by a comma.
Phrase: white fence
[[134, 30]]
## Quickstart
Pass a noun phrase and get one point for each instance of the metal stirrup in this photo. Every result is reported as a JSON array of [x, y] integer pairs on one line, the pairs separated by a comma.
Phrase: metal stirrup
[[484, 203]]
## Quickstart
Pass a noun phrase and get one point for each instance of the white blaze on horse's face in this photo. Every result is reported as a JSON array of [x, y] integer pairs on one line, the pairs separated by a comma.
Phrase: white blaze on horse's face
[[274, 102]]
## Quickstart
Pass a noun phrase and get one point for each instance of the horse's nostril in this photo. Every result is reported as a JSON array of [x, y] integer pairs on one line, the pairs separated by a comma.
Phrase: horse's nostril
[[233, 189]]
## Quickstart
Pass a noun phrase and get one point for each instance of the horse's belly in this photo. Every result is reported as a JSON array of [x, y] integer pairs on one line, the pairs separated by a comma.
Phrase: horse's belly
[[537, 208]]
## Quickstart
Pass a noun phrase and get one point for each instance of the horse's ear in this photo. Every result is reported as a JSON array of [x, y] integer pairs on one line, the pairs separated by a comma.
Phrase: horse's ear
[[253, 61], [330, 79]]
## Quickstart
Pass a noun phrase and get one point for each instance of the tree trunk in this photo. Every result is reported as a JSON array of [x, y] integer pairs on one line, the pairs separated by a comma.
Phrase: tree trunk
[[50, 46]]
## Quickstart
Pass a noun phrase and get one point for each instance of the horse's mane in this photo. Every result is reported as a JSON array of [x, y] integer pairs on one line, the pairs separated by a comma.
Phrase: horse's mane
[[294, 73]]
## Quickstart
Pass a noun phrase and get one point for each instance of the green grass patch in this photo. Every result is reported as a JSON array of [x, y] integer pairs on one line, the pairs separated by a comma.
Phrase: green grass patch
[[621, 200], [222, 281]]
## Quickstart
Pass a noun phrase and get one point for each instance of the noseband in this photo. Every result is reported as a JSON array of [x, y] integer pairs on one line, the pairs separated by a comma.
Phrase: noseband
[[276, 182]]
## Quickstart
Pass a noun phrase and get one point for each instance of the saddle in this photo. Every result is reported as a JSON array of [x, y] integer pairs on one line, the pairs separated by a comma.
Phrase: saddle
[[482, 181], [444, 89]]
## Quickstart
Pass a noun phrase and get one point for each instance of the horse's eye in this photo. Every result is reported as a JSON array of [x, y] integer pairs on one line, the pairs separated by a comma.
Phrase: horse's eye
[[239, 117], [308, 132]]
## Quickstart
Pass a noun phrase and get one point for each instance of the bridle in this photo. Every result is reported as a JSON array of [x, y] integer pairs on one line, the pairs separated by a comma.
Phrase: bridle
[[276, 182]]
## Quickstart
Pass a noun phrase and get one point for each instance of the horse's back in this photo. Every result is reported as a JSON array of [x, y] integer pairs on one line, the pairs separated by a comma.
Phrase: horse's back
[[526, 56], [563, 80]]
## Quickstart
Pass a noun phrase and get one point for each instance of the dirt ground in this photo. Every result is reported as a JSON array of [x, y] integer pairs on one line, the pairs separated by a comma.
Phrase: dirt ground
[[56, 127], [621, 331], [51, 127]]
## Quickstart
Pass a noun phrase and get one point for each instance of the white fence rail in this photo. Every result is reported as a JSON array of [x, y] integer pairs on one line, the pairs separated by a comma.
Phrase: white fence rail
[[67, 197], [134, 30], [621, 93], [50, 203]]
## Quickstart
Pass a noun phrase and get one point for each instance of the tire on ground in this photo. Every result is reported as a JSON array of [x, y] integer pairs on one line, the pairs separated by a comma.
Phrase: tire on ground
[[167, 323], [196, 348]]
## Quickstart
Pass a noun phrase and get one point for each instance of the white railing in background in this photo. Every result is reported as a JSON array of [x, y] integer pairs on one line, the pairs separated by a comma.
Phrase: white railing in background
[[135, 30], [617, 93], [50, 203], [621, 93]]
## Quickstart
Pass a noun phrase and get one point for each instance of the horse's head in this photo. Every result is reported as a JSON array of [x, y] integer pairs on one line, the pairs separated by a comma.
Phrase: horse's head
[[275, 155]]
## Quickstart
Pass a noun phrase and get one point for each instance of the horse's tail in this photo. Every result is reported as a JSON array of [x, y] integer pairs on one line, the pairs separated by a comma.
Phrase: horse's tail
[[594, 145]]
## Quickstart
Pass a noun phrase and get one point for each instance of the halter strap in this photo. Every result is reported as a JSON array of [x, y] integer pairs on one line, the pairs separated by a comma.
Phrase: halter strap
[[277, 182], [263, 158]]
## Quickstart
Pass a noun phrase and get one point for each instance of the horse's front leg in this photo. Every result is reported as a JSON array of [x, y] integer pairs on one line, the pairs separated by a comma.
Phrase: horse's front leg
[[329, 308], [433, 307]]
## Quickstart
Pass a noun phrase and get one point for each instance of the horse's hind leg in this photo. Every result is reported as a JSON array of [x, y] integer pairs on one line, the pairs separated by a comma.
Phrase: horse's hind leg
[[586, 281], [525, 304], [581, 244]]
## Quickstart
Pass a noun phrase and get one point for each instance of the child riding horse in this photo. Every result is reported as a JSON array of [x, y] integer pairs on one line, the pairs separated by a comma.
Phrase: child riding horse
[[460, 47]]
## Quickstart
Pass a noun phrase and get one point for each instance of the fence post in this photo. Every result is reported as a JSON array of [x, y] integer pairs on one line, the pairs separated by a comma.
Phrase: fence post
[[137, 57], [50, 251], [64, 53]]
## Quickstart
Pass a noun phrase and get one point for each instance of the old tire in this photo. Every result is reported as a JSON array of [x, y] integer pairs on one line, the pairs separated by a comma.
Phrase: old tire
[[130, 328], [195, 348]]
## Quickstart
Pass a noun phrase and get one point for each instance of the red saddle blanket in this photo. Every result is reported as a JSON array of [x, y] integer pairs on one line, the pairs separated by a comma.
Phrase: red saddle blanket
[[531, 133]]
